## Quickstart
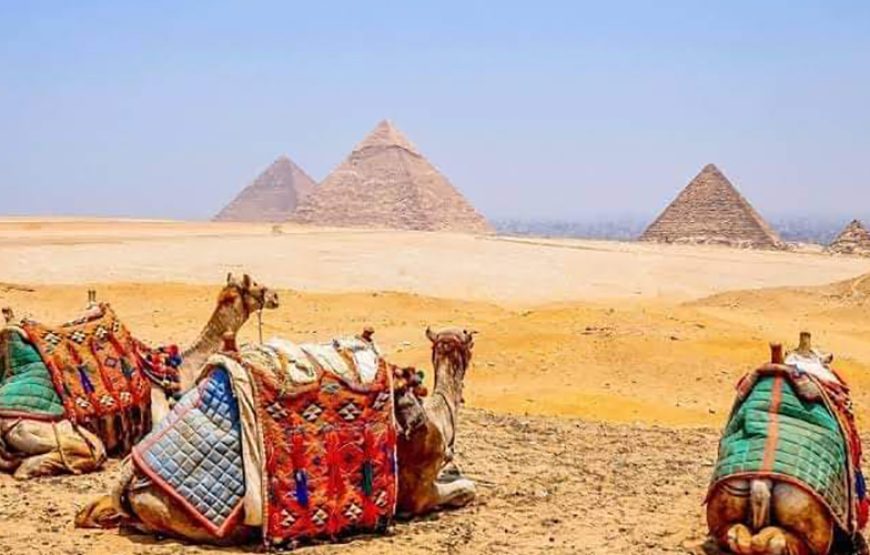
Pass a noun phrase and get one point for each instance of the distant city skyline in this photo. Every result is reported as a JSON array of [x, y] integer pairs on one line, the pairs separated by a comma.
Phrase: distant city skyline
[[567, 111]]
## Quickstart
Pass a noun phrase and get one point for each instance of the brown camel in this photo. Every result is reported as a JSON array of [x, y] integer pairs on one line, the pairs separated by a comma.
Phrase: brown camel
[[32, 448], [425, 446], [770, 515]]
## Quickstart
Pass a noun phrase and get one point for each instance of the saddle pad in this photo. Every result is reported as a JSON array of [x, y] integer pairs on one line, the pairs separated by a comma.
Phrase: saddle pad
[[26, 389], [94, 364], [195, 453], [330, 452], [774, 433]]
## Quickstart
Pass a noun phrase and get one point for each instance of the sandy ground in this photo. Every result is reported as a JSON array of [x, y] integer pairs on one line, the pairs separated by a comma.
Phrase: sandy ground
[[601, 373]]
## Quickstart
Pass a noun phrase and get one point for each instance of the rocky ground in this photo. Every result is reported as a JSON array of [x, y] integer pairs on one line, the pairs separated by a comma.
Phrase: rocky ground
[[547, 485]]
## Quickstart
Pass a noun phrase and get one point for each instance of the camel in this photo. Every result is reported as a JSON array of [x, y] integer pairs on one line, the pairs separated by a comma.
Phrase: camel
[[32, 448], [771, 514], [427, 432]]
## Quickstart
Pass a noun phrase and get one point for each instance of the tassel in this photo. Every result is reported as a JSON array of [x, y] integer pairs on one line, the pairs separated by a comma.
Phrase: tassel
[[299, 475], [335, 486], [85, 380], [369, 453], [368, 478], [301, 487]]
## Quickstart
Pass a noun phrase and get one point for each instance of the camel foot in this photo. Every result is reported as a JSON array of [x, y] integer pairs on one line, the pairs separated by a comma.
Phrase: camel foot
[[100, 513], [769, 541], [738, 540], [457, 493]]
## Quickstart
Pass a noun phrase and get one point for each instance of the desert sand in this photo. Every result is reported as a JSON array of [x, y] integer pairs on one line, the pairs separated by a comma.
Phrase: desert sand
[[601, 375]]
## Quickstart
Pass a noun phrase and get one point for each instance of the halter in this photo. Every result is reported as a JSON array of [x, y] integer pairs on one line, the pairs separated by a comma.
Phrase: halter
[[261, 300]]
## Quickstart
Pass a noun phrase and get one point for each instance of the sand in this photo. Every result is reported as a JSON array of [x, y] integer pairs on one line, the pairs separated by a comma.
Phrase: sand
[[601, 375]]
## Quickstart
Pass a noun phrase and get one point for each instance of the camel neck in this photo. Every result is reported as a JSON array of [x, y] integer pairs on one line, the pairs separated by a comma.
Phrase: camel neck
[[228, 316]]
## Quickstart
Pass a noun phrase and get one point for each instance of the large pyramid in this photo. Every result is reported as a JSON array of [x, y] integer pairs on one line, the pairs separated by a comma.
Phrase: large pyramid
[[711, 211], [386, 182], [272, 197], [855, 239]]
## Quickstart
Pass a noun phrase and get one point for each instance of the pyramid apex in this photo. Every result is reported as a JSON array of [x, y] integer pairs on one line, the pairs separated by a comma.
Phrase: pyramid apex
[[385, 135], [710, 168]]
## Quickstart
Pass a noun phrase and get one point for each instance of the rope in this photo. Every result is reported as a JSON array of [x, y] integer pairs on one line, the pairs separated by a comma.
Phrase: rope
[[260, 323]]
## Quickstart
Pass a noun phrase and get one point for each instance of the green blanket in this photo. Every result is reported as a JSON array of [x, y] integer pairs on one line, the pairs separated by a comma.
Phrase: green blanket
[[25, 383], [775, 433]]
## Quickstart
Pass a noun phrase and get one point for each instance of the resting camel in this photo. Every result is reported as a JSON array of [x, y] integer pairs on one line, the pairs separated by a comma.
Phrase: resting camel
[[425, 446], [32, 448], [773, 513]]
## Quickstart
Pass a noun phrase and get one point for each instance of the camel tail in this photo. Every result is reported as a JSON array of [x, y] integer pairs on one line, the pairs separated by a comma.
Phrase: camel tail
[[759, 503]]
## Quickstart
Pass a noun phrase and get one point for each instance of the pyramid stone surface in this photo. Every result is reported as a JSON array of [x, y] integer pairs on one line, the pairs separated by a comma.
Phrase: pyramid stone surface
[[387, 183], [272, 197], [711, 211], [854, 239]]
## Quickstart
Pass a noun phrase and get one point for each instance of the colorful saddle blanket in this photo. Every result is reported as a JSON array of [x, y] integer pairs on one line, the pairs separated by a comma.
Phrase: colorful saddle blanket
[[195, 453], [95, 368], [26, 389], [325, 446], [791, 425]]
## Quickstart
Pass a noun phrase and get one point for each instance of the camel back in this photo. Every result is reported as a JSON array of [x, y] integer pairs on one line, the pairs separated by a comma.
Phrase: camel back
[[324, 442], [791, 426], [94, 368]]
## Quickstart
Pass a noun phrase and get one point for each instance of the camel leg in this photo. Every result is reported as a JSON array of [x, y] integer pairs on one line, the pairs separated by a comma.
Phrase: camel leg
[[157, 513], [727, 512], [49, 448], [803, 515], [47, 464]]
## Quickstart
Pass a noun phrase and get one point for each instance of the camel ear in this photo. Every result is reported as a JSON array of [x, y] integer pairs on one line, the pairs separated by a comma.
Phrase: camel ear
[[430, 334], [229, 277], [246, 281]]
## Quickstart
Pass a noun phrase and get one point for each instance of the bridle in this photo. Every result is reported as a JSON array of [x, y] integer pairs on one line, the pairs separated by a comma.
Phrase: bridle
[[260, 297]]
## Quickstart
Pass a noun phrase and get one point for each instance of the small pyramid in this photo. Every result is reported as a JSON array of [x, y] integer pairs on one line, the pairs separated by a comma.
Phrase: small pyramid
[[386, 182], [710, 210], [272, 197], [854, 239]]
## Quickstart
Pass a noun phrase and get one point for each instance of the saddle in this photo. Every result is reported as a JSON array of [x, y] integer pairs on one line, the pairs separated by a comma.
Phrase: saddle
[[321, 462], [90, 371], [794, 422]]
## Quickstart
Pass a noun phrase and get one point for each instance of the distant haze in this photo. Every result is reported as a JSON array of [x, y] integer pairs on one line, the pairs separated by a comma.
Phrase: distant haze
[[577, 111]]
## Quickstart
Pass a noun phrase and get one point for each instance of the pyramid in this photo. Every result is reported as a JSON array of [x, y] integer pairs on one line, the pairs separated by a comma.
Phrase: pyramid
[[854, 239], [711, 211], [272, 197], [386, 182]]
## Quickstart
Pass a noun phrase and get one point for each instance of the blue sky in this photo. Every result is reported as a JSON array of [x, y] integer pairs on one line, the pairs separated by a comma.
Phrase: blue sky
[[532, 109]]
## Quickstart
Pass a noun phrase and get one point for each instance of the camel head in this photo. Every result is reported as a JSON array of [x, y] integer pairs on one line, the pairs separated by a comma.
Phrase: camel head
[[8, 315], [451, 356], [253, 296]]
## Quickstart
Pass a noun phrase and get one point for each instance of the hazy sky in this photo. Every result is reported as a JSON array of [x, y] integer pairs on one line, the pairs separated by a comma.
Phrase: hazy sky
[[532, 109]]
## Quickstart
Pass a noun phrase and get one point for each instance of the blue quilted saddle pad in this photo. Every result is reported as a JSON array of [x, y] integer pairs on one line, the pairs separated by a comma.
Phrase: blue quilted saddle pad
[[195, 453]]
